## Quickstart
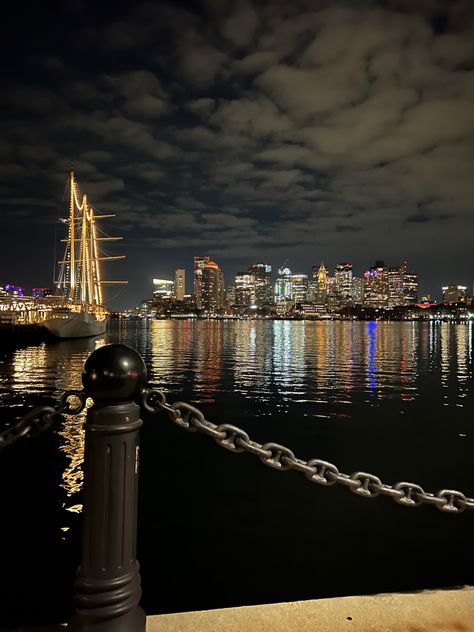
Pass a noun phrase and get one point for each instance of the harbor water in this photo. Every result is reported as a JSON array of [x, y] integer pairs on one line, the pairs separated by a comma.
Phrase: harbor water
[[216, 529]]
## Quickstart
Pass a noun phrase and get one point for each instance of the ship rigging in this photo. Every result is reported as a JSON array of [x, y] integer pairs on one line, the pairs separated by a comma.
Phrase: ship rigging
[[80, 280]]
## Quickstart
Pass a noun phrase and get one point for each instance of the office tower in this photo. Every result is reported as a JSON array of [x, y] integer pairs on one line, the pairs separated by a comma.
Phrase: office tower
[[245, 290], [357, 290], [283, 286], [230, 295], [299, 285], [410, 285], [212, 287], [343, 280], [313, 284], [180, 284], [321, 285], [395, 295], [199, 263], [375, 285], [332, 297], [263, 283], [163, 288], [454, 294]]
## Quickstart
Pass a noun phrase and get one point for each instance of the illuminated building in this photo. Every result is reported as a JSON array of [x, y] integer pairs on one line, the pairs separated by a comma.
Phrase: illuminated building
[[179, 284], [313, 284], [244, 289], [283, 292], [390, 286], [283, 286], [299, 287], [357, 291], [212, 287], [332, 297], [230, 295], [263, 285], [146, 309], [321, 285], [343, 279], [40, 292], [199, 263], [454, 294], [14, 290], [375, 286], [310, 311], [394, 280], [410, 286], [163, 288]]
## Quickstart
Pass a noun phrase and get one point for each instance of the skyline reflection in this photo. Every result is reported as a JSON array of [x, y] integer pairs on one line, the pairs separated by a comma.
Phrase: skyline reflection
[[320, 370]]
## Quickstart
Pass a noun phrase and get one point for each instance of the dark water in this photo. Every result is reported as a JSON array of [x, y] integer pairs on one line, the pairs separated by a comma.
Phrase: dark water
[[218, 529]]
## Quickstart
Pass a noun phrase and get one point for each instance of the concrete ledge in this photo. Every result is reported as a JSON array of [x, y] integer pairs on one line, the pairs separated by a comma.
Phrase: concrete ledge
[[428, 611]]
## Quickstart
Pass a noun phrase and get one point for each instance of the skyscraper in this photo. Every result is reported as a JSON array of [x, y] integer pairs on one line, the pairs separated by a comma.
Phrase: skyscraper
[[229, 295], [283, 286], [263, 286], [299, 285], [357, 290], [313, 284], [212, 287], [343, 277], [245, 290], [322, 285], [394, 286], [180, 284], [410, 285], [376, 286], [199, 263]]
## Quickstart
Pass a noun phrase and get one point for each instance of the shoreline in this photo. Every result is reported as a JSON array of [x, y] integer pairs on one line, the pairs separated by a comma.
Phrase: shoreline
[[299, 319]]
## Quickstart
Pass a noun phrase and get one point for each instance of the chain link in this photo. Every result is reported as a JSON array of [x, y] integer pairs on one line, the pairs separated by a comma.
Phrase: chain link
[[42, 418], [317, 471]]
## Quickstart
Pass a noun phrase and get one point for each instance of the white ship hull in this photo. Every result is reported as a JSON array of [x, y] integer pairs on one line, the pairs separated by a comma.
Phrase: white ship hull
[[76, 324]]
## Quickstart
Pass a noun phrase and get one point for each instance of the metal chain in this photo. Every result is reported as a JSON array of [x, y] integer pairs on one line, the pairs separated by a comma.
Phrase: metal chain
[[42, 418], [317, 471]]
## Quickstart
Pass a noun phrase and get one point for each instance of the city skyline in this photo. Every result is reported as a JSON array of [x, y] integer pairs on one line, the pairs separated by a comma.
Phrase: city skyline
[[315, 131], [186, 282]]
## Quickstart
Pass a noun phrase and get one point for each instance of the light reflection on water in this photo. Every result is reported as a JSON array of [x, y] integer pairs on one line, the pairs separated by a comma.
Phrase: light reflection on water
[[321, 370], [49, 370]]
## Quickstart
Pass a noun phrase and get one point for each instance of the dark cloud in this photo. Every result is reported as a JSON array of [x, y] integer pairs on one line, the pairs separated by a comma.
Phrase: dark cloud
[[347, 228], [417, 218], [307, 130]]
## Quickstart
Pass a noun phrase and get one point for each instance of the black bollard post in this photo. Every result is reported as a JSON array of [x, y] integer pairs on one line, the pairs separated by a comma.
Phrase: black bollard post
[[107, 590]]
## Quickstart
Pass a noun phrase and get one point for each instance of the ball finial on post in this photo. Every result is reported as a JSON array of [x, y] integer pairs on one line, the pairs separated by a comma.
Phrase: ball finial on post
[[114, 373]]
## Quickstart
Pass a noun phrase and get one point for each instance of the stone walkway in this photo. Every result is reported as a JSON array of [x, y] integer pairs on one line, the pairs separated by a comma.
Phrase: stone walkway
[[428, 611]]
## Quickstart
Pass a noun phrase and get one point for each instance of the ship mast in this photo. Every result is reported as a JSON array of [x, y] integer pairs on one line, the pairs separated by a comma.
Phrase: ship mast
[[72, 228], [84, 252], [80, 274]]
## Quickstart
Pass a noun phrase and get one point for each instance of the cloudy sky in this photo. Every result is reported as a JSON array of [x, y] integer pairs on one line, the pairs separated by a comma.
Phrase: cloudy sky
[[302, 131]]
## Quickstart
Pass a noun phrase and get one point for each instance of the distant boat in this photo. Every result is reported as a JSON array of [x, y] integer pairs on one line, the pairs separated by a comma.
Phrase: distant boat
[[81, 312]]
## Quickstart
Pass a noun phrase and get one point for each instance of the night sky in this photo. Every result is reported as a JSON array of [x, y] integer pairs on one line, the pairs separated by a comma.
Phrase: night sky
[[297, 130]]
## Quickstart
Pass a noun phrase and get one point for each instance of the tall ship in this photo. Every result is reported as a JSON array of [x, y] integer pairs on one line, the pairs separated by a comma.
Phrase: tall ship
[[80, 311]]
